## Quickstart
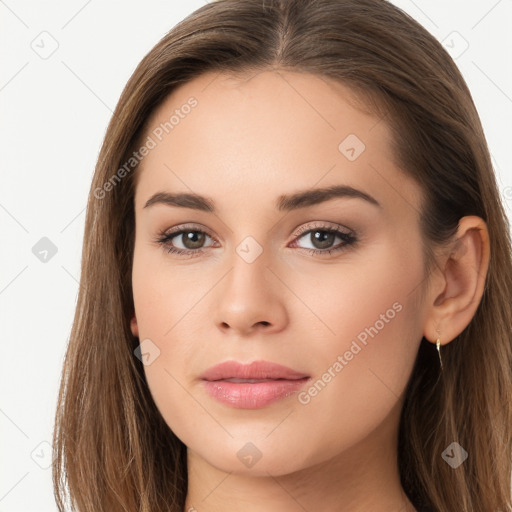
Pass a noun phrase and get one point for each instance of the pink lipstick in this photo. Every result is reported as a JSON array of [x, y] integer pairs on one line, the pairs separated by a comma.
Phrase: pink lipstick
[[251, 386]]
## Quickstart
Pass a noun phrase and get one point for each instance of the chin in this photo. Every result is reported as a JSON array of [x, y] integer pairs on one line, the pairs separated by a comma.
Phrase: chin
[[257, 459]]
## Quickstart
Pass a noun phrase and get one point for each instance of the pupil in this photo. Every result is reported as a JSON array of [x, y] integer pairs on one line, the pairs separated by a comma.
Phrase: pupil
[[193, 239], [323, 237]]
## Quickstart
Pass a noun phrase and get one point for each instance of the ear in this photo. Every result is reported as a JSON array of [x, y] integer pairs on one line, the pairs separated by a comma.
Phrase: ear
[[459, 282], [134, 327]]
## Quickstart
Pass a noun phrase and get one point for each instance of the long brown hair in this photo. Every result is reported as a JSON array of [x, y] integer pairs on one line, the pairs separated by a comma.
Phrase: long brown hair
[[113, 450]]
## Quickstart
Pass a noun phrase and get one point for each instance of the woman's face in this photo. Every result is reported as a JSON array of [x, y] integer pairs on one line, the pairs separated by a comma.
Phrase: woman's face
[[248, 286]]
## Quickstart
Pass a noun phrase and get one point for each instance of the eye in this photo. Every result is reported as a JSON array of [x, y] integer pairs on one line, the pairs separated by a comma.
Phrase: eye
[[322, 238], [192, 239]]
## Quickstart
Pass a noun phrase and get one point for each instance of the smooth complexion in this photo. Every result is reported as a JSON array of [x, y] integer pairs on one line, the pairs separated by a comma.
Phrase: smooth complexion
[[247, 143]]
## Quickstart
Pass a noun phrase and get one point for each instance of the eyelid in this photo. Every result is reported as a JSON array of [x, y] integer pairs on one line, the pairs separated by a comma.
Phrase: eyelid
[[322, 225], [350, 238], [188, 227], [304, 228]]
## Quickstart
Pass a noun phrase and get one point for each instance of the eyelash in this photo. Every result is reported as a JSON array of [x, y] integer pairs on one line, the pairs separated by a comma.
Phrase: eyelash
[[164, 238]]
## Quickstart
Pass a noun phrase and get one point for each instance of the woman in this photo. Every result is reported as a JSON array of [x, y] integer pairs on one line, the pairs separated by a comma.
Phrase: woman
[[296, 277]]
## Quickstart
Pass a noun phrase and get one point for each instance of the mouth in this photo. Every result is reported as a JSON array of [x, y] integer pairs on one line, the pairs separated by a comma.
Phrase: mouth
[[248, 381], [252, 386], [257, 370]]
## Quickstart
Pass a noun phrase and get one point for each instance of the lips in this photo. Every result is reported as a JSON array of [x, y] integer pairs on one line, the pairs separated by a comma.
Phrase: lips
[[257, 370], [251, 386]]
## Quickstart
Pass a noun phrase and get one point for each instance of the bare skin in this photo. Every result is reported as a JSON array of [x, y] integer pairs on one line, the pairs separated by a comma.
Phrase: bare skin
[[247, 142]]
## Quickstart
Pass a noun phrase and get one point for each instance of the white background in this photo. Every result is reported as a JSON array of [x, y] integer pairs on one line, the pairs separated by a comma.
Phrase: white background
[[54, 113]]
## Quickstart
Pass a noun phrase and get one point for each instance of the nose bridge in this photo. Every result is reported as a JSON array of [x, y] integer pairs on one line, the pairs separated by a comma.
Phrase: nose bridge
[[250, 250], [248, 296], [250, 263]]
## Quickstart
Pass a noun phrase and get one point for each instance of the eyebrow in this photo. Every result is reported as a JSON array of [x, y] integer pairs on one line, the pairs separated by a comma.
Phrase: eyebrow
[[295, 201]]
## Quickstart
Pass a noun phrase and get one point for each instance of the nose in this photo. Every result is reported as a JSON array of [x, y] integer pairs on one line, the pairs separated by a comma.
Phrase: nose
[[250, 299]]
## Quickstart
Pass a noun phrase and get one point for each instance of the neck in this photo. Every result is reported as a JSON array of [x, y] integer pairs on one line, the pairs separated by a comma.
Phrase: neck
[[365, 477]]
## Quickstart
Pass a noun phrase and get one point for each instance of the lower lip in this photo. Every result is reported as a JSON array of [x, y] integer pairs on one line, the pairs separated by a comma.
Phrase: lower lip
[[245, 395]]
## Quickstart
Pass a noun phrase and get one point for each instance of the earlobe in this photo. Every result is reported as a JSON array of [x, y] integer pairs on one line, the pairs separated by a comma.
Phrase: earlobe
[[464, 270], [134, 327]]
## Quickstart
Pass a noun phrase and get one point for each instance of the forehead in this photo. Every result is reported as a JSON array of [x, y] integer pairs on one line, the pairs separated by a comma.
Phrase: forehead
[[254, 133], [266, 104]]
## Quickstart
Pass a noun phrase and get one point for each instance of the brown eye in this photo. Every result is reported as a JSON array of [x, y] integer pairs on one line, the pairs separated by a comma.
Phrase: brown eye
[[322, 240], [187, 242], [192, 239]]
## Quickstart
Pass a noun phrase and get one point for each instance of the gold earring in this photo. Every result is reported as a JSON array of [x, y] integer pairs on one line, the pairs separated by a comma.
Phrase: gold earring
[[438, 346]]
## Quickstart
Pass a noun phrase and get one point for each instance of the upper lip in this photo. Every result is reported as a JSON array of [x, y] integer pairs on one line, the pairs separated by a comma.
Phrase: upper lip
[[254, 370]]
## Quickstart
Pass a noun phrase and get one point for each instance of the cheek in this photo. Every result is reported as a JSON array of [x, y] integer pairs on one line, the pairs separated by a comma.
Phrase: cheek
[[171, 325], [164, 318], [366, 341], [371, 302], [358, 383], [165, 296]]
